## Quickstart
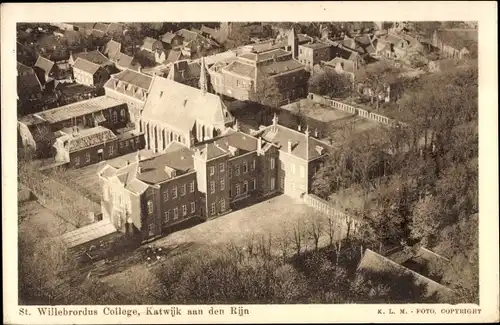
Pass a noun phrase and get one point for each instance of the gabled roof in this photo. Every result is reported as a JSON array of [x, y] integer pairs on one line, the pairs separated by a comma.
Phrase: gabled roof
[[168, 37], [302, 147], [208, 30], [115, 28], [173, 56], [148, 43], [132, 77], [180, 106], [87, 66], [112, 50], [125, 61], [345, 53], [27, 79], [184, 70], [87, 138], [376, 263], [44, 64]]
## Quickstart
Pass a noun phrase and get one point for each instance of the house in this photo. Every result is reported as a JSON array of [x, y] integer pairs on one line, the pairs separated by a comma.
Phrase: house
[[396, 46], [456, 43], [341, 65], [183, 183], [113, 50], [174, 56], [39, 127], [29, 87], [193, 44], [152, 45], [300, 156], [125, 62], [172, 40], [185, 72], [177, 112], [375, 267], [313, 53], [115, 29], [89, 74], [79, 146], [242, 77], [131, 87], [100, 30], [49, 70]]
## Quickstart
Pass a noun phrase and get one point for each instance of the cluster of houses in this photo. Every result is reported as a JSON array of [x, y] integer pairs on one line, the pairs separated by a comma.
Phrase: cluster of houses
[[169, 146]]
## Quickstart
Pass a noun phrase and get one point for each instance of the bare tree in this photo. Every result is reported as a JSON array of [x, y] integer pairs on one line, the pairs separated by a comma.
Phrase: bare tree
[[298, 237], [331, 230], [284, 244], [316, 230]]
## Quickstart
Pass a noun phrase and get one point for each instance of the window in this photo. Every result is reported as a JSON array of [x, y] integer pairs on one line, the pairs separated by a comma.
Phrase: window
[[282, 182], [230, 172], [212, 209], [174, 193], [77, 160], [254, 184], [253, 165], [293, 168], [191, 187], [245, 167], [166, 216], [121, 145], [221, 167], [222, 184], [184, 210], [151, 229], [111, 150], [302, 172], [282, 165], [123, 115], [176, 213], [223, 205], [212, 170], [115, 116], [150, 207], [273, 183], [183, 189], [273, 163], [212, 187], [137, 140], [237, 171], [238, 189], [87, 157], [245, 187], [165, 196], [193, 207]]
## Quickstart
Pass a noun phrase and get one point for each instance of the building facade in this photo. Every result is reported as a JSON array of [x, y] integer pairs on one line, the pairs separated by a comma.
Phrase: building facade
[[89, 74], [312, 54]]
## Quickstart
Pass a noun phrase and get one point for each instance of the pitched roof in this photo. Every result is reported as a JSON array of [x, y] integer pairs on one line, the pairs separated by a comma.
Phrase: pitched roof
[[93, 56], [317, 45], [87, 66], [148, 43], [301, 148], [458, 38], [184, 70], [208, 30], [77, 109], [87, 138], [188, 35], [44, 64], [345, 53], [179, 106], [373, 262], [112, 50], [115, 28], [176, 156], [27, 78], [125, 61], [173, 56], [212, 59], [88, 233]]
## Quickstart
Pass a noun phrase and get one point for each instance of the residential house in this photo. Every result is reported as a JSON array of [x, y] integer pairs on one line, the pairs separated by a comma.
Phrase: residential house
[[93, 56], [115, 29], [456, 43], [172, 40], [154, 47], [300, 157], [89, 74], [185, 72], [125, 62], [39, 127], [313, 53], [79, 146], [242, 77], [50, 70], [177, 112], [194, 44], [173, 56], [183, 183], [131, 87], [100, 30], [396, 46]]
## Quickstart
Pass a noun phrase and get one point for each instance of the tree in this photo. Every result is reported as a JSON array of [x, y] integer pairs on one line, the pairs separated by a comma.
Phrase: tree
[[266, 92], [426, 219], [330, 83], [378, 77], [316, 230]]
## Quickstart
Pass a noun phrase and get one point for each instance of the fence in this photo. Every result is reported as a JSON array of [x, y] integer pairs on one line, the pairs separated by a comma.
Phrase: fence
[[354, 110], [348, 223]]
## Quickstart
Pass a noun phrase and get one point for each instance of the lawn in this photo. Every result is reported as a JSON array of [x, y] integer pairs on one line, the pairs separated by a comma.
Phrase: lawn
[[37, 218]]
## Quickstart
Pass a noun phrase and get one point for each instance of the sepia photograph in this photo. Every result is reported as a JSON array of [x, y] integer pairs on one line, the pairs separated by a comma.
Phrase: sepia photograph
[[214, 162]]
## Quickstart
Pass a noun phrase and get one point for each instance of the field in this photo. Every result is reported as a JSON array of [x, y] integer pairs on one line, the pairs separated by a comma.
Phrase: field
[[37, 218], [275, 217]]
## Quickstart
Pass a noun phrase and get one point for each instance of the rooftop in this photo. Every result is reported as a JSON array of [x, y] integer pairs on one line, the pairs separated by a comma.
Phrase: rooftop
[[318, 45], [88, 233], [92, 56], [132, 77], [176, 156], [77, 109], [85, 137], [44, 64], [87, 66]]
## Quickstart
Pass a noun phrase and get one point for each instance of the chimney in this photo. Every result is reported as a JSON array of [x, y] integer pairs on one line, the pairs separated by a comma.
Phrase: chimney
[[307, 132], [259, 143], [289, 146], [236, 125], [139, 68], [315, 133], [299, 128], [275, 119], [139, 169]]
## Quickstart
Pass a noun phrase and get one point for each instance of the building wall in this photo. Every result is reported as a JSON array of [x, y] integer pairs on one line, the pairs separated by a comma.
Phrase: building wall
[[293, 173], [92, 155], [311, 57], [238, 176], [134, 105], [234, 86], [131, 144], [83, 78], [219, 199], [266, 172]]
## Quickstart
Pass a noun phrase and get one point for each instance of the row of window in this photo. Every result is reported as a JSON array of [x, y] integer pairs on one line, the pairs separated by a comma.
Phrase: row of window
[[174, 213], [130, 143], [222, 207], [182, 191], [86, 156]]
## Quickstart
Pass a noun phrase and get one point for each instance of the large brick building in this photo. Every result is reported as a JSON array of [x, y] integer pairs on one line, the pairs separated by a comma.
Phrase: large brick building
[[147, 196]]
